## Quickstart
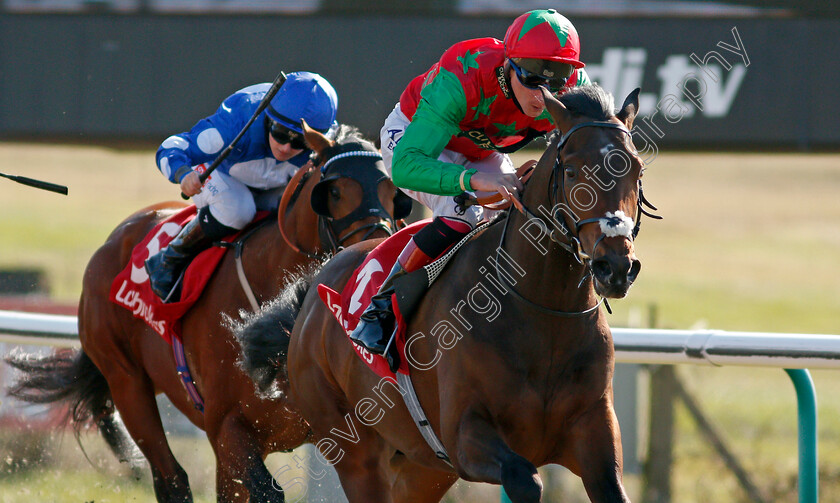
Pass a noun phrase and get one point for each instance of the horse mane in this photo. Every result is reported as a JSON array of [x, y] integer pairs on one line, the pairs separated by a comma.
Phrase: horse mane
[[589, 101], [347, 133], [345, 136]]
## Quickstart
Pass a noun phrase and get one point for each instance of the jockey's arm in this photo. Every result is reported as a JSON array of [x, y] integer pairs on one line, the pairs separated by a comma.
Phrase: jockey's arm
[[415, 165], [203, 143]]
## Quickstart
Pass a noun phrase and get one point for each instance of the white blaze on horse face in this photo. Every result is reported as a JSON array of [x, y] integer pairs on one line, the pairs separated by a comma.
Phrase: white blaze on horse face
[[606, 149], [617, 224]]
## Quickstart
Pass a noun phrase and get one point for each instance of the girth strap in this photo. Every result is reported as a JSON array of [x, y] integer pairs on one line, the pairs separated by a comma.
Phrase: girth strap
[[243, 280], [431, 271], [184, 373], [420, 420]]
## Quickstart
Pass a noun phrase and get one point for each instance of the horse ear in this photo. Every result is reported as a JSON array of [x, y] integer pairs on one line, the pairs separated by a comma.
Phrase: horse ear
[[558, 111], [629, 109], [316, 141]]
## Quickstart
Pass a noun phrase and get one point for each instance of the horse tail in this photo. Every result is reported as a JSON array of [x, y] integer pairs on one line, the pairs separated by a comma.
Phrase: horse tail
[[71, 377], [264, 336]]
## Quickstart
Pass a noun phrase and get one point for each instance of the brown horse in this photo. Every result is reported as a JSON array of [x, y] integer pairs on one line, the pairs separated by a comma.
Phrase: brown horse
[[124, 363], [511, 356]]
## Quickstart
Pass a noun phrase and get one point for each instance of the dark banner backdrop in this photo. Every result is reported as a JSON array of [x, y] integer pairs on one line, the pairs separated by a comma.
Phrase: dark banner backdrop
[[706, 83]]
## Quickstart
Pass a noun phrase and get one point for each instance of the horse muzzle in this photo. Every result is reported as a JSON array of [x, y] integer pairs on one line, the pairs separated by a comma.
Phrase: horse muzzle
[[614, 274]]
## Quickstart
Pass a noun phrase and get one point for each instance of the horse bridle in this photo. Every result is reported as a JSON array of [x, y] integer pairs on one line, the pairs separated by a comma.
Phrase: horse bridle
[[330, 229], [566, 238]]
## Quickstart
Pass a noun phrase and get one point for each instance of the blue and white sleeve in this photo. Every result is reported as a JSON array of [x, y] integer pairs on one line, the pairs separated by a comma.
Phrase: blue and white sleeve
[[203, 143]]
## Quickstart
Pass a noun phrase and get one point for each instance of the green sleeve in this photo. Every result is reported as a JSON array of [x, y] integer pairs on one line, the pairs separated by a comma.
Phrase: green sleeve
[[415, 165]]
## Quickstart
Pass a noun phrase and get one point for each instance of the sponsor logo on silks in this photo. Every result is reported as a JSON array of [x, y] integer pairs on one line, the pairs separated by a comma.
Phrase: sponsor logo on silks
[[479, 137], [500, 76]]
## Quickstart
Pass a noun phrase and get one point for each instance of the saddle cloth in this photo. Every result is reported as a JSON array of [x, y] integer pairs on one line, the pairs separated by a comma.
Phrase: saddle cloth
[[131, 289], [349, 305]]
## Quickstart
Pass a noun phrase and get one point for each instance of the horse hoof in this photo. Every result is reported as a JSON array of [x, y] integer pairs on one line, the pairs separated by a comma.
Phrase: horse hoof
[[521, 481]]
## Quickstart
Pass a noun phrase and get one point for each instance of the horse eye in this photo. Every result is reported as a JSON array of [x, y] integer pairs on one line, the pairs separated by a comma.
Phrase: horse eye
[[335, 193], [570, 172]]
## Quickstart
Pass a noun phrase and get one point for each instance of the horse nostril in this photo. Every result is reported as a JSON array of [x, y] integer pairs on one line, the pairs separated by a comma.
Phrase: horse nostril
[[602, 270], [635, 267]]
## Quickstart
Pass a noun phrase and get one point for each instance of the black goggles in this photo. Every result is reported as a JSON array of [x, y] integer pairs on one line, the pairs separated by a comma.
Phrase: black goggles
[[284, 135], [533, 80]]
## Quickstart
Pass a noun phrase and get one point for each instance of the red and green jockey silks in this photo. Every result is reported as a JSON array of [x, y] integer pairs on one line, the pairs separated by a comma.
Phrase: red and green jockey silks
[[463, 103]]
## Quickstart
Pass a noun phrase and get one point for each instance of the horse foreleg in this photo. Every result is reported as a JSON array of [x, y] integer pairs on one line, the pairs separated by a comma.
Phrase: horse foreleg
[[240, 468], [357, 452], [135, 399], [596, 453], [363, 469], [482, 456], [414, 483]]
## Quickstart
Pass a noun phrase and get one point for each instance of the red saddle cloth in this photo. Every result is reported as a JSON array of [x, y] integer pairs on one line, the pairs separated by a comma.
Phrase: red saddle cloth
[[349, 305], [131, 289]]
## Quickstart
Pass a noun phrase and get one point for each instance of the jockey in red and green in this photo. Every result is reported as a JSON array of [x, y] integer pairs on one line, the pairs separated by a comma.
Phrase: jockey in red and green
[[465, 102], [454, 126]]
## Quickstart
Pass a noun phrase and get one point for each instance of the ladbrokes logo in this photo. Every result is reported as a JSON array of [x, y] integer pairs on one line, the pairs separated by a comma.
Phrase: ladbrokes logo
[[695, 83]]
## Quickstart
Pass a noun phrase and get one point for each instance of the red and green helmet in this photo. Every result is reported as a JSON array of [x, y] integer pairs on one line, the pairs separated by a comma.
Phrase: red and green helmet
[[543, 42]]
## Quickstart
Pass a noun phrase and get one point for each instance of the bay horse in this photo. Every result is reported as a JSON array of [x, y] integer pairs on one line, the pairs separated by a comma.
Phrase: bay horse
[[123, 364], [511, 355]]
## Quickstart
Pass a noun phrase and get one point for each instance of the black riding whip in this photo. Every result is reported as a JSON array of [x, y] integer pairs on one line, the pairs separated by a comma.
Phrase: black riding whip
[[275, 86], [38, 184]]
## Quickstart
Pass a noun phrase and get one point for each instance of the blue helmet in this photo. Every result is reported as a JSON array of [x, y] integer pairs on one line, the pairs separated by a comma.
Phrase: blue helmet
[[307, 96]]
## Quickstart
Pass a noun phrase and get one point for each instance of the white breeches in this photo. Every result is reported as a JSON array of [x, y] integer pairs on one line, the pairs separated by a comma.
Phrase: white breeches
[[233, 203]]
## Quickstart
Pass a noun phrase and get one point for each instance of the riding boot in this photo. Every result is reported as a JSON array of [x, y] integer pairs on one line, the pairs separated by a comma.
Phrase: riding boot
[[376, 324], [165, 267]]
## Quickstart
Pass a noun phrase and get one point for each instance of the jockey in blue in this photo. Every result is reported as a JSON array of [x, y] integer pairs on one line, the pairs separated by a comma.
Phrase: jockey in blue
[[251, 177]]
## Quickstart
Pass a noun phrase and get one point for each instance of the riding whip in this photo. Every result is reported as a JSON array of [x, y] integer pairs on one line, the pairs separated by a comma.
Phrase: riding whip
[[275, 86], [52, 187]]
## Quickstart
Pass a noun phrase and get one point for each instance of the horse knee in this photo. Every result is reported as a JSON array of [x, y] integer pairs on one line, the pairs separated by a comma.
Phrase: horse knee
[[520, 480]]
